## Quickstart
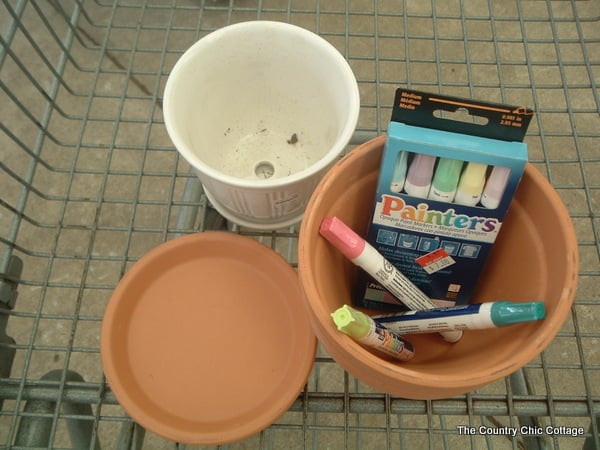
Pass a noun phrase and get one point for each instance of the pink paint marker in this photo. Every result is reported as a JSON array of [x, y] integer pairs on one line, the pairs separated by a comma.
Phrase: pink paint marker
[[361, 253], [495, 186]]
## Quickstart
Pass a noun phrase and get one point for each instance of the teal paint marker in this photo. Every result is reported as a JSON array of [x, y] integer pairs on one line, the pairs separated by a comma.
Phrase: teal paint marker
[[445, 180], [463, 317], [399, 174], [471, 184], [418, 178], [495, 186]]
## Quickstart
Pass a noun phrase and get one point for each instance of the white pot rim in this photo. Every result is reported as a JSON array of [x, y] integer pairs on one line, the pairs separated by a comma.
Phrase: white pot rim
[[327, 159]]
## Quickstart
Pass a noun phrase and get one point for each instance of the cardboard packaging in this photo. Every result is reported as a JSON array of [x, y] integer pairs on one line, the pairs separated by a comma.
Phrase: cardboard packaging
[[448, 174]]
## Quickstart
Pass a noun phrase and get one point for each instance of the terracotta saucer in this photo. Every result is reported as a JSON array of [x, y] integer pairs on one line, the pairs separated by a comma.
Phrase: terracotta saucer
[[206, 341]]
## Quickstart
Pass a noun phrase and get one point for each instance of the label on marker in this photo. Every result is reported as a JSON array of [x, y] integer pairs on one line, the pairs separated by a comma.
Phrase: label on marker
[[435, 261]]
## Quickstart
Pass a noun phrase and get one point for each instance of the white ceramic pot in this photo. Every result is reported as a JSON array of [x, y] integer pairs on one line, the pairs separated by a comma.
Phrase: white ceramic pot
[[261, 110]]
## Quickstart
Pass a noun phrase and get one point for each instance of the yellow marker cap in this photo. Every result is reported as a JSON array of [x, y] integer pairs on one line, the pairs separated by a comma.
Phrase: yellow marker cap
[[471, 184], [351, 322]]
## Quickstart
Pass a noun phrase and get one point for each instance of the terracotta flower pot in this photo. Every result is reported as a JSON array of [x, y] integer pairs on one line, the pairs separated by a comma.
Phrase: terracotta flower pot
[[535, 258]]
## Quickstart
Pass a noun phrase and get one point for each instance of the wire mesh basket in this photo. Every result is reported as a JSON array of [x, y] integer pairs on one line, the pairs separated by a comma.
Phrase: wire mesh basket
[[90, 182]]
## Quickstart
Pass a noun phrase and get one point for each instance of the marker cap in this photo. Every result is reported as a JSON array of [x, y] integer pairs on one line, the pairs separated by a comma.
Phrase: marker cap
[[352, 322], [445, 180], [471, 184], [452, 336], [399, 174], [495, 186], [507, 313], [418, 178], [342, 237]]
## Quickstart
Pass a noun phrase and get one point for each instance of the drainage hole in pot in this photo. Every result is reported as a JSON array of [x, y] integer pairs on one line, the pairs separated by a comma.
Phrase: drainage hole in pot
[[264, 170]]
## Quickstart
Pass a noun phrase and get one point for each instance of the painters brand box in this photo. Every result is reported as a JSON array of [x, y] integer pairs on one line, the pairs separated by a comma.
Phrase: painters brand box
[[449, 171]]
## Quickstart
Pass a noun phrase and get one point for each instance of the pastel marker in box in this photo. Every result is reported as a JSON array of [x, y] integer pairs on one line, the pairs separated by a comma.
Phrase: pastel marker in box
[[366, 331], [465, 317], [364, 255], [471, 184], [495, 186], [418, 178], [399, 174], [445, 180]]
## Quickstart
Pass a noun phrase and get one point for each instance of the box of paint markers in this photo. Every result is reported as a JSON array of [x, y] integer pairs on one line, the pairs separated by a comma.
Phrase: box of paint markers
[[449, 171]]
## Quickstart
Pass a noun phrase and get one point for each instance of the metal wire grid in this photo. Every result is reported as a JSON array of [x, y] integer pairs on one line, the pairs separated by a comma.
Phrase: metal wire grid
[[90, 182]]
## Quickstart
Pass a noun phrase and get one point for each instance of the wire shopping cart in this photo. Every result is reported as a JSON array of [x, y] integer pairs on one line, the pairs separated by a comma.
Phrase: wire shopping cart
[[90, 182]]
